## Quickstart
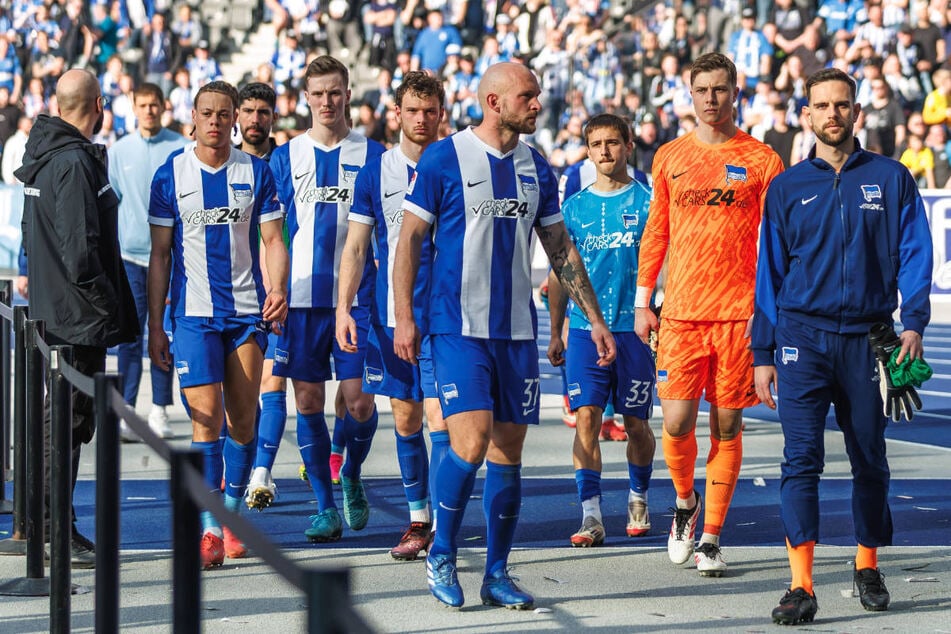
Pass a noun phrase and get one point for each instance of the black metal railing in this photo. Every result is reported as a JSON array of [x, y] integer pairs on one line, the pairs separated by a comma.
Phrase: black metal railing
[[326, 592]]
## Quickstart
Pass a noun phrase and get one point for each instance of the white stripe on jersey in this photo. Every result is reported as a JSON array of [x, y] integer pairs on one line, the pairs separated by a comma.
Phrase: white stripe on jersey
[[307, 194], [476, 294], [588, 174], [393, 177]]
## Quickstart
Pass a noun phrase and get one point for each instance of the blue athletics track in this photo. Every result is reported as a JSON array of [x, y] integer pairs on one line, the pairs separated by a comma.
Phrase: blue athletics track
[[919, 496]]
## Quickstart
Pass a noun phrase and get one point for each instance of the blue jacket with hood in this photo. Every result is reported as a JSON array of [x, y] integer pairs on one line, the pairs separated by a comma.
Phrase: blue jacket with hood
[[836, 249]]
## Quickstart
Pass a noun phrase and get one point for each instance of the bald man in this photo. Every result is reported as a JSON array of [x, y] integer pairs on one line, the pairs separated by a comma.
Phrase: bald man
[[77, 282], [482, 319]]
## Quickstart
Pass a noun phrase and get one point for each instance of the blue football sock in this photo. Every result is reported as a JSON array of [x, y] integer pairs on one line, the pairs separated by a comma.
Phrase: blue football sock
[[501, 501], [454, 484], [589, 483], [414, 470], [271, 427], [640, 477], [339, 442], [238, 459], [440, 447], [314, 442], [233, 504], [359, 440], [212, 470]]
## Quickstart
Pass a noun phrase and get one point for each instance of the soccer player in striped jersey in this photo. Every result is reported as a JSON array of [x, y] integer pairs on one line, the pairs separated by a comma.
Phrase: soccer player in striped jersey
[[709, 188], [207, 205], [605, 221], [315, 174], [378, 205], [484, 192]]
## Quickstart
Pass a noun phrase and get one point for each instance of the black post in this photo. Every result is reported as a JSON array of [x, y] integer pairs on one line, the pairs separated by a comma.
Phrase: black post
[[6, 297], [29, 396], [107, 507], [186, 551], [34, 450], [20, 315], [61, 498], [328, 601], [16, 545]]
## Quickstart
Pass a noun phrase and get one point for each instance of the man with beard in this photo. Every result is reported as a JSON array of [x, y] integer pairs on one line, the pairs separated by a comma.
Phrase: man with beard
[[133, 160], [843, 233], [482, 192], [256, 103], [77, 281]]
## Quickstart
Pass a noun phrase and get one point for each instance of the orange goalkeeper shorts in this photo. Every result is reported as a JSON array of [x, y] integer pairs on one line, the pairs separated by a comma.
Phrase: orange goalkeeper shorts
[[706, 356]]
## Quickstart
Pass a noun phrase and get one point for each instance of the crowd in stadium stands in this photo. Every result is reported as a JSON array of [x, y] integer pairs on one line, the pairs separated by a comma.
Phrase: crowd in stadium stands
[[591, 57]]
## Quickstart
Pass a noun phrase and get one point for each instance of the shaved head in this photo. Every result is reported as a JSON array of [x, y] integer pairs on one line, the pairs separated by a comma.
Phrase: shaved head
[[498, 78], [76, 92]]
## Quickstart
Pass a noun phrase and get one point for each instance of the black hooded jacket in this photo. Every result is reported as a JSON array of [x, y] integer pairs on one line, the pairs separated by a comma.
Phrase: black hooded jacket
[[78, 284]]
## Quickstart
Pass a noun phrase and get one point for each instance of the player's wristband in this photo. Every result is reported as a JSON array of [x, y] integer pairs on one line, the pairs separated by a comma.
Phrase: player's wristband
[[642, 297]]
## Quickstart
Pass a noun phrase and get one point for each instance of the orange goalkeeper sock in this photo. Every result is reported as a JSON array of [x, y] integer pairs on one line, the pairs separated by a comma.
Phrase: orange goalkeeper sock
[[866, 557], [680, 453], [723, 467], [800, 562]]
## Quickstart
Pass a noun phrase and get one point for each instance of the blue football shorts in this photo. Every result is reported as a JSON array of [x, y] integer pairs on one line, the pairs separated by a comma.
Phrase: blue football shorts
[[628, 383], [200, 345], [307, 343], [385, 373], [427, 373], [487, 374]]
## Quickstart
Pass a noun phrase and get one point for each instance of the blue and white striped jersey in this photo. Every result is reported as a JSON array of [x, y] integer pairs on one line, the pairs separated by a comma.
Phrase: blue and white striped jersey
[[215, 215], [485, 205], [315, 186], [378, 201], [607, 227]]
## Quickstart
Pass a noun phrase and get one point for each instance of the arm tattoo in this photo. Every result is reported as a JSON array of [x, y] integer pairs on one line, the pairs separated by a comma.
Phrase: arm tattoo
[[575, 280], [567, 265]]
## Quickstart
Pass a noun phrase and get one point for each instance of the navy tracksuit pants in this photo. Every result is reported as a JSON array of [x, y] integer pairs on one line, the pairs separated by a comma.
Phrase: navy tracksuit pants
[[815, 369]]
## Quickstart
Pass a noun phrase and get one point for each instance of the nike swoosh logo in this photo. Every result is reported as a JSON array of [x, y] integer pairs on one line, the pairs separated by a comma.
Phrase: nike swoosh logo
[[676, 176], [389, 194], [714, 482], [183, 195], [507, 517], [526, 412], [301, 175], [471, 184], [269, 446], [806, 201], [585, 226], [448, 508]]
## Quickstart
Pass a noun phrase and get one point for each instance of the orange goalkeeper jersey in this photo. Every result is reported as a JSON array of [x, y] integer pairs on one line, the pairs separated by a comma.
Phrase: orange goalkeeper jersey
[[707, 205]]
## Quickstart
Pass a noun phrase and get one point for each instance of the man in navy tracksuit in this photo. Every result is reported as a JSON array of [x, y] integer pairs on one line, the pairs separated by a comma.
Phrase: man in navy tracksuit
[[843, 232]]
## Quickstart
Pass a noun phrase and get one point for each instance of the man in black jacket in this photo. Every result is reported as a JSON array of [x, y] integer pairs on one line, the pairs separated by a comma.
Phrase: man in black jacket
[[77, 282]]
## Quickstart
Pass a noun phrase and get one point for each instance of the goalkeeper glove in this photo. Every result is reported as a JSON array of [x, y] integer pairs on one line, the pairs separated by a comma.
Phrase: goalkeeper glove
[[898, 399]]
